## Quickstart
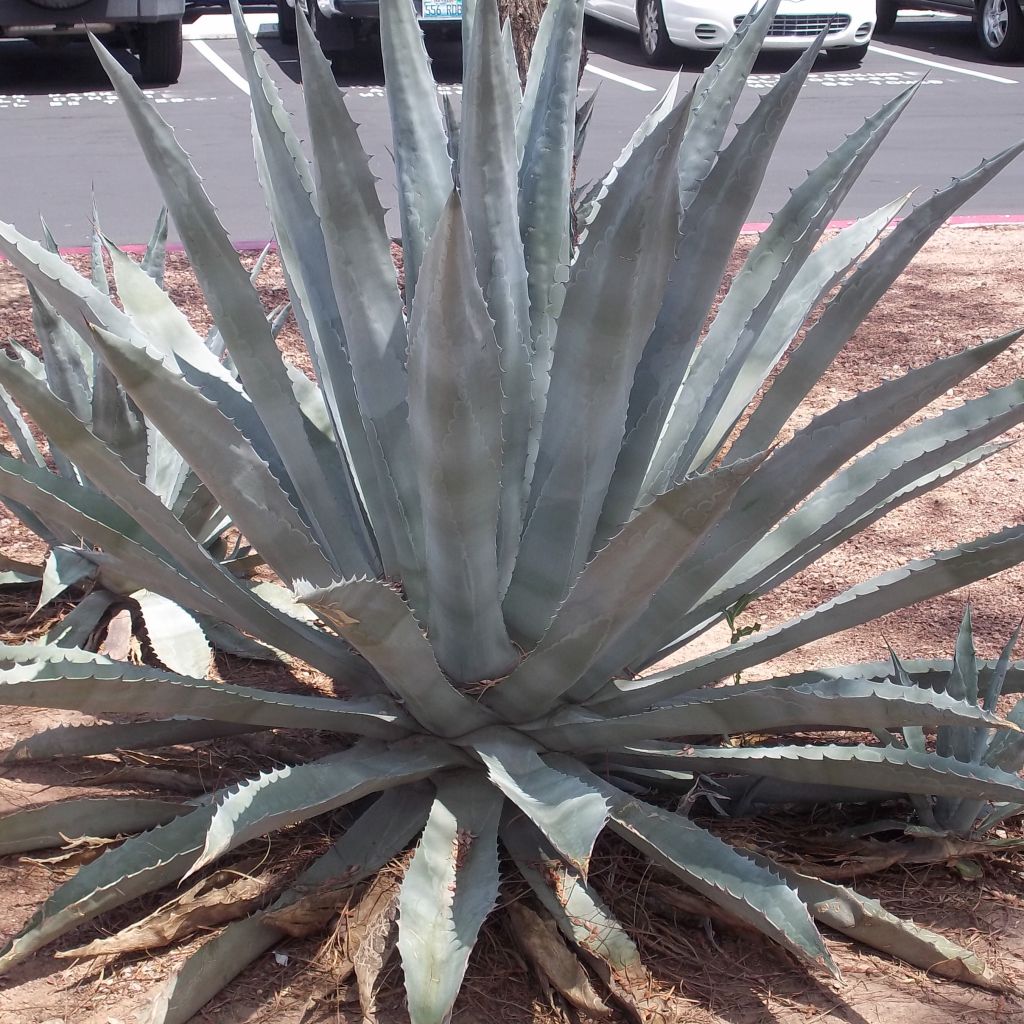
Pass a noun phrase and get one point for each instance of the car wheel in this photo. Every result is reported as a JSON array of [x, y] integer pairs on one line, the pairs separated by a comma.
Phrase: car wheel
[[286, 31], [850, 56], [160, 52], [885, 15], [654, 40], [1000, 26]]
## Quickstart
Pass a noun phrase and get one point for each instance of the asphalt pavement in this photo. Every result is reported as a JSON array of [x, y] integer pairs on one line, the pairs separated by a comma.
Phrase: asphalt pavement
[[63, 136]]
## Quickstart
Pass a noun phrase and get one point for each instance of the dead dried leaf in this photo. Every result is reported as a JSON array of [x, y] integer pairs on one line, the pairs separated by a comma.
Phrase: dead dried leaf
[[366, 936], [117, 643], [223, 896], [174, 781], [541, 941]]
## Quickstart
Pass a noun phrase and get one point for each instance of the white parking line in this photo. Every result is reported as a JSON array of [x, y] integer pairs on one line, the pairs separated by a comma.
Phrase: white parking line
[[205, 50], [944, 67], [611, 76]]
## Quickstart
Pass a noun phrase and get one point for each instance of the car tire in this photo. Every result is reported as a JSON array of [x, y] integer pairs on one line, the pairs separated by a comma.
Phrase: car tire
[[885, 15], [850, 56], [658, 49], [286, 30], [1000, 28], [160, 52]]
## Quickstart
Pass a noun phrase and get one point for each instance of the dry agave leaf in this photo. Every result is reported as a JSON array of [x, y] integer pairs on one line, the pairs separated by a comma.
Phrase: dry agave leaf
[[118, 641], [163, 778], [642, 999], [375, 948], [222, 896], [77, 851], [542, 943], [312, 912], [366, 937]]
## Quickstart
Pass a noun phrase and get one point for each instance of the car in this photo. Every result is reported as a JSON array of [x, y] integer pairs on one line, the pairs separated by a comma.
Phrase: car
[[669, 28], [149, 28], [341, 25], [999, 23]]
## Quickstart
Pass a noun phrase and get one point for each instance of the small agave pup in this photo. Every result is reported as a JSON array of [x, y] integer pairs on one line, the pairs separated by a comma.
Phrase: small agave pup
[[944, 829], [508, 492], [91, 396]]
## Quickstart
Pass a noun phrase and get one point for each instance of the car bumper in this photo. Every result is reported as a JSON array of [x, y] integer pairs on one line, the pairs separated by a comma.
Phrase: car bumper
[[794, 27], [19, 18]]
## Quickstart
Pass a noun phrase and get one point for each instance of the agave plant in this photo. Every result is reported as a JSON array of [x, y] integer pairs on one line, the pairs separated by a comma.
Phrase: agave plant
[[93, 396], [509, 491], [943, 829]]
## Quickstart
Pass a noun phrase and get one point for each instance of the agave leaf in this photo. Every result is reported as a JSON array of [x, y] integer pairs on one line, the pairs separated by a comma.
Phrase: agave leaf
[[813, 280], [584, 113], [78, 626], [890, 769], [1007, 753], [867, 921], [717, 92], [848, 523], [917, 580], [455, 421], [755, 894], [176, 637], [871, 481], [422, 165], [166, 328], [512, 70], [155, 257], [544, 137], [39, 828], [124, 688], [489, 190], [576, 908], [667, 105], [367, 845], [600, 606], [288, 795], [233, 601], [19, 431], [72, 741], [617, 282], [571, 813], [232, 471], [64, 567], [138, 866], [925, 672], [707, 237], [449, 888], [359, 255], [792, 473], [288, 186], [756, 292], [754, 707], [804, 367], [96, 267], [377, 622], [233, 301], [75, 299], [67, 360]]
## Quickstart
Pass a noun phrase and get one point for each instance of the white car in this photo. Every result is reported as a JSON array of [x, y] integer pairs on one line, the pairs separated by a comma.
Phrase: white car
[[667, 25]]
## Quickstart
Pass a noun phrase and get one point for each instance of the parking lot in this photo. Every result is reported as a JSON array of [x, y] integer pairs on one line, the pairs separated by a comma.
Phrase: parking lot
[[64, 136]]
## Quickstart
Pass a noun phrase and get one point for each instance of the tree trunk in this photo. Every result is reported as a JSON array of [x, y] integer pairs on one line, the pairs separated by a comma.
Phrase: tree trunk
[[525, 16]]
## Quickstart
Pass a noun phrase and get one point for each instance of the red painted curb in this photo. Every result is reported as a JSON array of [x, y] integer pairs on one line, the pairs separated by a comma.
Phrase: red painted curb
[[985, 220]]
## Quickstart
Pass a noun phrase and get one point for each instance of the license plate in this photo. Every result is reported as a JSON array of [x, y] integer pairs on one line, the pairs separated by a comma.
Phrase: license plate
[[441, 10]]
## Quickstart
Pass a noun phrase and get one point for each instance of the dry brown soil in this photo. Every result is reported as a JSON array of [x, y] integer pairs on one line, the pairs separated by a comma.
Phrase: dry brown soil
[[967, 286]]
